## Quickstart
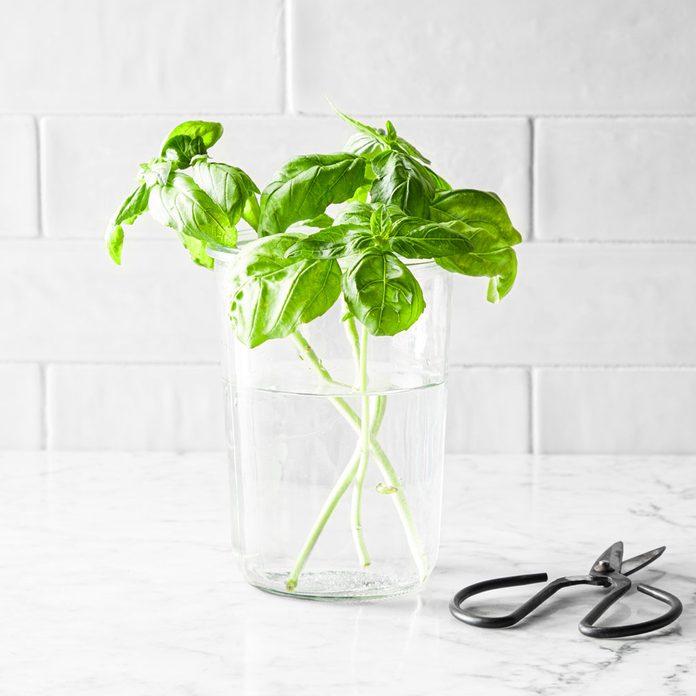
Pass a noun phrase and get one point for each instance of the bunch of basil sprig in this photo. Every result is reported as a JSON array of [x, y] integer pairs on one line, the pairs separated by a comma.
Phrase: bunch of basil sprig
[[394, 209]]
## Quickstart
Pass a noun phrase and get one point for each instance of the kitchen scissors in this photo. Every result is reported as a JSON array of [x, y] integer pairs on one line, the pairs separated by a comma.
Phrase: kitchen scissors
[[608, 571]]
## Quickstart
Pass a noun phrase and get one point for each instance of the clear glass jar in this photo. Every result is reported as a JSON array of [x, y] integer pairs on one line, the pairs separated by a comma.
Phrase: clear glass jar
[[302, 523]]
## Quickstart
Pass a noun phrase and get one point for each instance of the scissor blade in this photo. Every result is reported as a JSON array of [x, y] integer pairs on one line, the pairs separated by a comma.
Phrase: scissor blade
[[611, 558], [631, 565]]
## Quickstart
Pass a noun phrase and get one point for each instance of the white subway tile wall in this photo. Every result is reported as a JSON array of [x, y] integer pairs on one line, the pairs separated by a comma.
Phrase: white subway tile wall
[[135, 407], [583, 121]]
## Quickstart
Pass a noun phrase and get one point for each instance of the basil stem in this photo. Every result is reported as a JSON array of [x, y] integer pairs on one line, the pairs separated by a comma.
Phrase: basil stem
[[365, 434], [391, 477]]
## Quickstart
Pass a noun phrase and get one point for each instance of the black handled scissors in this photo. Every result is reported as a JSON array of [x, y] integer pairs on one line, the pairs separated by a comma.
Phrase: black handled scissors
[[609, 570]]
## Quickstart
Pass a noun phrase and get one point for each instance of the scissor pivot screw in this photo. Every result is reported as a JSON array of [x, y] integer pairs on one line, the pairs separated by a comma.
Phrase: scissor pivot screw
[[603, 567]]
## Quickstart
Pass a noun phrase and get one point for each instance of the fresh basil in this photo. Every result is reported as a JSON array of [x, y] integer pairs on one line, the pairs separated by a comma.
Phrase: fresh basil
[[422, 239], [480, 210], [332, 243], [499, 265], [356, 213], [381, 223], [274, 294], [491, 234], [392, 206], [131, 209], [230, 187], [156, 171], [323, 220], [401, 181], [189, 139], [191, 212], [382, 293], [305, 186]]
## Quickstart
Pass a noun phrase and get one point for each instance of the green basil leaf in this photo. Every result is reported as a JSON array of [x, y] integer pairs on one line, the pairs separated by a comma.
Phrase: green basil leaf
[[403, 182], [114, 242], [191, 212], [274, 294], [499, 265], [365, 145], [182, 149], [228, 186], [410, 150], [189, 139], [377, 134], [382, 293], [305, 186], [131, 209], [380, 222], [251, 212], [356, 213], [362, 192], [369, 141], [155, 171], [480, 210], [320, 221], [421, 239], [438, 182], [332, 242], [197, 250]]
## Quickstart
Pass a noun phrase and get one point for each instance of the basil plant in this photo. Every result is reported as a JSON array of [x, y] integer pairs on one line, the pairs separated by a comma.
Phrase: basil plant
[[393, 209]]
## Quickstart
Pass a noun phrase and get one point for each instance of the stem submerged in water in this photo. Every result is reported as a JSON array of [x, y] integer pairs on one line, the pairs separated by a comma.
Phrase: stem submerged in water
[[365, 432], [349, 473]]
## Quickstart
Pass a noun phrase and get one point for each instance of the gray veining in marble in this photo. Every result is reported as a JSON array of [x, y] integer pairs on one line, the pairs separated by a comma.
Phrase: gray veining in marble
[[116, 579]]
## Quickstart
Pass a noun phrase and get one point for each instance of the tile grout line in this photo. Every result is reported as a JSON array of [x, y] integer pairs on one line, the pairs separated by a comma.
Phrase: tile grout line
[[287, 65], [39, 178], [532, 180]]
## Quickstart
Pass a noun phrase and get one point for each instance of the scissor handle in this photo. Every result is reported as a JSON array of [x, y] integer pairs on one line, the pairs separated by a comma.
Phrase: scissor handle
[[618, 589], [516, 616]]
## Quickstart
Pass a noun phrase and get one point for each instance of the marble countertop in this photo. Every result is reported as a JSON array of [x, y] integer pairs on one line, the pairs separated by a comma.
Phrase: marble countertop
[[116, 579]]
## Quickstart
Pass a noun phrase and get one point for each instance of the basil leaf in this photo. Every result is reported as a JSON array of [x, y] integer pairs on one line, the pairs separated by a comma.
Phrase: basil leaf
[[191, 212], [410, 150], [422, 239], [491, 235], [365, 145], [481, 210], [228, 186], [251, 212], [499, 265], [438, 182], [369, 141], [382, 293], [403, 182], [274, 294], [320, 221], [332, 242], [402, 145], [377, 134], [380, 222], [114, 242], [189, 139], [356, 213], [131, 209], [198, 251], [156, 171], [305, 186], [182, 149]]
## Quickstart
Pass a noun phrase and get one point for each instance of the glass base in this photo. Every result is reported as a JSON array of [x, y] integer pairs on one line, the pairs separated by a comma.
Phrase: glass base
[[335, 585]]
